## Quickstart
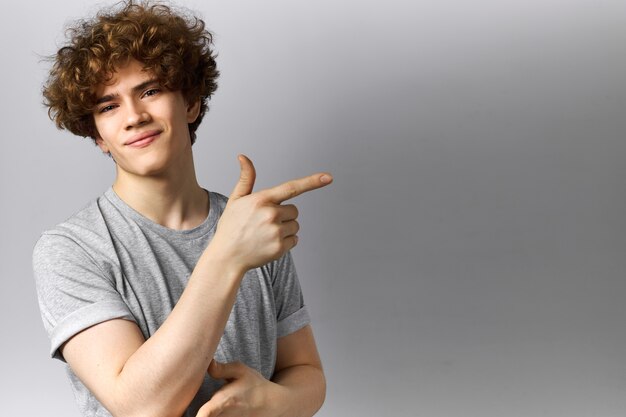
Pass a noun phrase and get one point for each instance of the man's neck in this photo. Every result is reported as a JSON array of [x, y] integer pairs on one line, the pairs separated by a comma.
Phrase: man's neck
[[176, 202]]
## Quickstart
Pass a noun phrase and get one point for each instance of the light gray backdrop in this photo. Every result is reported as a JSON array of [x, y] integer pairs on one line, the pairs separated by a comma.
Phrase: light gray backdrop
[[469, 258]]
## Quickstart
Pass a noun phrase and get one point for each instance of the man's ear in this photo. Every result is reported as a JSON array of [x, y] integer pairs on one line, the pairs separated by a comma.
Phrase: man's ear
[[102, 145], [193, 110]]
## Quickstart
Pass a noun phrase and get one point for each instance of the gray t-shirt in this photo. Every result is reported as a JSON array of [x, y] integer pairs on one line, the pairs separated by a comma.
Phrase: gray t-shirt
[[108, 261]]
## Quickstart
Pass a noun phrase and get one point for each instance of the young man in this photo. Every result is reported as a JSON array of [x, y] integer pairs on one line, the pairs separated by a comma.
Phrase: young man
[[165, 299]]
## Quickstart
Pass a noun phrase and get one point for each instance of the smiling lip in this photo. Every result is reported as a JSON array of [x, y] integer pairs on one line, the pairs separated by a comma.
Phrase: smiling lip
[[143, 139]]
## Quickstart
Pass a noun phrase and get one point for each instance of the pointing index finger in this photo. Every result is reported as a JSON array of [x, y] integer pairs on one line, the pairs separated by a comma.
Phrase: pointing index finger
[[294, 188]]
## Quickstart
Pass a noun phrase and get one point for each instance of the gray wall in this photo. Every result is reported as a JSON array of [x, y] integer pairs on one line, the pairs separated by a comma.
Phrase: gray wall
[[469, 258]]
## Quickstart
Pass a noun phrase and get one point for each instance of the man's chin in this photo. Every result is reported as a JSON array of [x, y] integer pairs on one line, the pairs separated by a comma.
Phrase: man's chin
[[146, 170]]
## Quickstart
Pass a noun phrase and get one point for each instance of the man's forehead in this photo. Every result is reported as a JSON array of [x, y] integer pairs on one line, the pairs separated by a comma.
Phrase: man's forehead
[[124, 77]]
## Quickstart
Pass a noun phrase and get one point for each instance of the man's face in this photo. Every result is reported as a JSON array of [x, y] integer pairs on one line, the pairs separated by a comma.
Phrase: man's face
[[141, 124]]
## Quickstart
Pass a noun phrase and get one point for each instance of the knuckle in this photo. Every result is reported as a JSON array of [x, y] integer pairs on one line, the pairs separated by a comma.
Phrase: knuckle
[[291, 190], [257, 200], [276, 233], [230, 402], [270, 215], [276, 248], [280, 248]]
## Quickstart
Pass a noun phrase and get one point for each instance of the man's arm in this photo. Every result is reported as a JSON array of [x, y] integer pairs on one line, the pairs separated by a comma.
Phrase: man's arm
[[297, 389], [299, 369], [131, 376], [158, 377]]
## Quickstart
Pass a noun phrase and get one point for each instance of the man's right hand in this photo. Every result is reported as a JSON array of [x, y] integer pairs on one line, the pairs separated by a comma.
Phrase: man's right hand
[[255, 228]]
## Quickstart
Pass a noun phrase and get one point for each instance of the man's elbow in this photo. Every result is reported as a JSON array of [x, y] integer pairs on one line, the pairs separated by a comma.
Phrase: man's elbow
[[322, 388], [126, 404]]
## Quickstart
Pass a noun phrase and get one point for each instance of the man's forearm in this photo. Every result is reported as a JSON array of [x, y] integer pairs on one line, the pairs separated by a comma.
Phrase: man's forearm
[[164, 374], [305, 390]]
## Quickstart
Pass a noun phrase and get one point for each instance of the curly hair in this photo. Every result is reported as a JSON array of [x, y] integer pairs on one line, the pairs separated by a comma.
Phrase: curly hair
[[174, 47]]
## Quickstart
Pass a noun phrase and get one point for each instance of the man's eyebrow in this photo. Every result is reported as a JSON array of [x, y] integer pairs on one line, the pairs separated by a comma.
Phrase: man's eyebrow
[[135, 89]]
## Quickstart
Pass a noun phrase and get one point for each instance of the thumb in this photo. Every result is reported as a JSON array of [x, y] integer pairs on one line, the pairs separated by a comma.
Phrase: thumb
[[246, 178], [227, 371]]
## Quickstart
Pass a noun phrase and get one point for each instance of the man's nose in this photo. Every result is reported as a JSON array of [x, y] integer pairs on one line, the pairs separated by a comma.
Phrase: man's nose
[[137, 115]]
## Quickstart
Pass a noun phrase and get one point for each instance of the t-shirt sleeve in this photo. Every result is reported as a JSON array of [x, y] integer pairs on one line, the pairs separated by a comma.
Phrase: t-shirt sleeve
[[291, 312], [73, 291]]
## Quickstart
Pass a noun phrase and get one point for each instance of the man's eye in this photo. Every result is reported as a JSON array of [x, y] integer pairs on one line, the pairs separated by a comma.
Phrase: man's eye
[[107, 108], [151, 92]]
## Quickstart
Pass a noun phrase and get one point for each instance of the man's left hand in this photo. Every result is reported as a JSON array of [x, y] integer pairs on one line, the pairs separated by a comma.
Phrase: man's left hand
[[246, 393]]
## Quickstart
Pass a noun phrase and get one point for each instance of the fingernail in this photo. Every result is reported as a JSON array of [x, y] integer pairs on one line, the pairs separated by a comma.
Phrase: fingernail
[[326, 178]]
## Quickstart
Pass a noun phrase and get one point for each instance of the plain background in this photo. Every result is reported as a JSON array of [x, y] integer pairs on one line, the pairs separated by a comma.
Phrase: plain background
[[469, 258]]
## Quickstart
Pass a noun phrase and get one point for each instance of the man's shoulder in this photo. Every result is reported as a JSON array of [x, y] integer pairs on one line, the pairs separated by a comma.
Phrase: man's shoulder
[[83, 228], [220, 198], [85, 218]]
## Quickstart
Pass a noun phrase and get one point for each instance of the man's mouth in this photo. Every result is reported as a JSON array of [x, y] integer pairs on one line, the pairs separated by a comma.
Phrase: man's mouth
[[143, 139]]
